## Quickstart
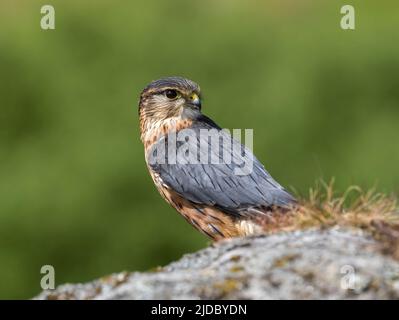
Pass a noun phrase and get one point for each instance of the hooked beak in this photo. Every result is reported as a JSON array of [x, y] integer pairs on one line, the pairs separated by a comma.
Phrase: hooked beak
[[195, 100]]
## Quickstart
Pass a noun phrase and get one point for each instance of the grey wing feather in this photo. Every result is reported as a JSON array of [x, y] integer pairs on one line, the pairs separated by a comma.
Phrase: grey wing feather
[[218, 184]]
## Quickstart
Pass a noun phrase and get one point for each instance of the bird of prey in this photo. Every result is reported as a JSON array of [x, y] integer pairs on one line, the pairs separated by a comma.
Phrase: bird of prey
[[210, 195]]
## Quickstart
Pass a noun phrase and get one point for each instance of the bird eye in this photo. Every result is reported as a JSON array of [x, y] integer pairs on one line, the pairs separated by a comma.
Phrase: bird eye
[[171, 94]]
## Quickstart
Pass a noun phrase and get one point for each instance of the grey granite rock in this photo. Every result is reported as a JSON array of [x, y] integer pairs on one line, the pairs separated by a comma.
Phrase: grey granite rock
[[313, 264]]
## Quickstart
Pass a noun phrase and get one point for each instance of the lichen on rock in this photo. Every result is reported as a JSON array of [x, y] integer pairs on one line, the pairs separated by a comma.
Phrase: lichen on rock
[[334, 263]]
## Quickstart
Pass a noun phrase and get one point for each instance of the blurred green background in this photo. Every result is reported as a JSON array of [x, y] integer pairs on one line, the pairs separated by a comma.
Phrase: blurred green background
[[74, 189]]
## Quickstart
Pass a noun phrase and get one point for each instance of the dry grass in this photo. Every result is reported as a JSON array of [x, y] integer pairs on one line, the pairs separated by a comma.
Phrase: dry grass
[[373, 212]]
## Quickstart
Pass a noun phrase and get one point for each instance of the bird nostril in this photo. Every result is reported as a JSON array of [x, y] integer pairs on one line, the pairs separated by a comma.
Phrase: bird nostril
[[196, 102]]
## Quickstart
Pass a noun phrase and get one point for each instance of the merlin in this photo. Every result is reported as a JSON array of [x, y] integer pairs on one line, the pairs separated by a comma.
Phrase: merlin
[[213, 196]]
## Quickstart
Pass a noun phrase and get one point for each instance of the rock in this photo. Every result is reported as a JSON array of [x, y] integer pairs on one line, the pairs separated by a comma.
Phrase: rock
[[314, 264]]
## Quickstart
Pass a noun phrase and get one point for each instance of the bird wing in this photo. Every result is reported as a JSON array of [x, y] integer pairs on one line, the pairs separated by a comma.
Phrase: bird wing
[[218, 184]]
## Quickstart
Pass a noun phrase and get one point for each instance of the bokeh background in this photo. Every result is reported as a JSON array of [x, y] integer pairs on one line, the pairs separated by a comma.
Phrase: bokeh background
[[74, 189]]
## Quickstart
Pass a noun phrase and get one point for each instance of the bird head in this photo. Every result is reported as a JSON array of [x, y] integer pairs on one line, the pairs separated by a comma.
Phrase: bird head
[[170, 97]]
